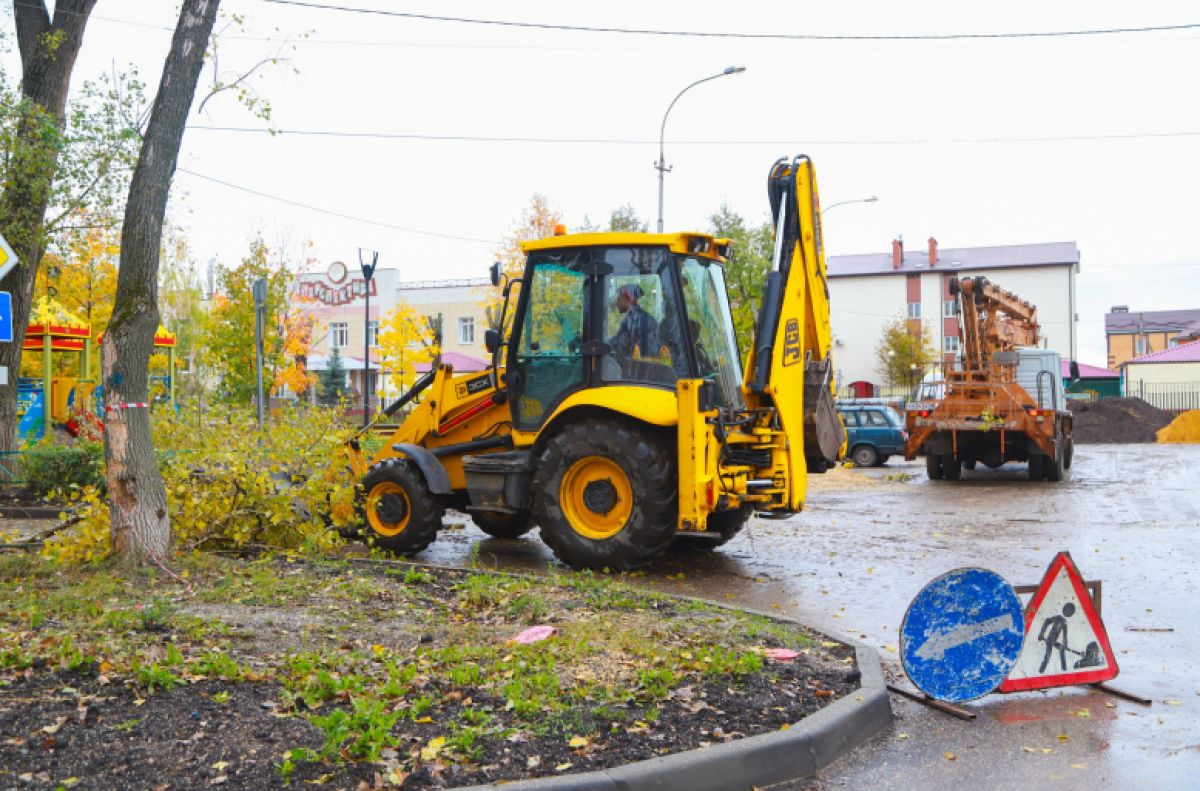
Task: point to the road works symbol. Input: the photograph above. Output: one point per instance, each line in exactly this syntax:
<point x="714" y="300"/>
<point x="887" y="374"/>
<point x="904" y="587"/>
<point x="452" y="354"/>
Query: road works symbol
<point x="961" y="635"/>
<point x="1065" y="640"/>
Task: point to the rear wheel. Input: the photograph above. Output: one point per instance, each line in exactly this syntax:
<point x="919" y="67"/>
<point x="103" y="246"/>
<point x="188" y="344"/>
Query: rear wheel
<point x="951" y="467"/>
<point x="1037" y="468"/>
<point x="970" y="465"/>
<point x="865" y="456"/>
<point x="607" y="495"/>
<point x="500" y="525"/>
<point x="402" y="516"/>
<point x="1056" y="469"/>
<point x="933" y="466"/>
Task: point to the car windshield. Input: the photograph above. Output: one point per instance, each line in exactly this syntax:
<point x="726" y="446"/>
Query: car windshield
<point x="893" y="416"/>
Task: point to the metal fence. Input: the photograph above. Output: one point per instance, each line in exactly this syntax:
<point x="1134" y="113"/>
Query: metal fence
<point x="1168" y="396"/>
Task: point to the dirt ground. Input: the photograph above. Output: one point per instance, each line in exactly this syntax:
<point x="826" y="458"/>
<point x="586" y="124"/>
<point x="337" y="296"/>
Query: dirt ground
<point x="375" y="674"/>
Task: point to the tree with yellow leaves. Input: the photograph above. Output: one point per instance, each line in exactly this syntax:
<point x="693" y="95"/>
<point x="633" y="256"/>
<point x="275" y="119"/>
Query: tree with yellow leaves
<point x="404" y="340"/>
<point x="537" y="222"/>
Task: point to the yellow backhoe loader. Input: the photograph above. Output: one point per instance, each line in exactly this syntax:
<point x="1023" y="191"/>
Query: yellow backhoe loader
<point x="617" y="415"/>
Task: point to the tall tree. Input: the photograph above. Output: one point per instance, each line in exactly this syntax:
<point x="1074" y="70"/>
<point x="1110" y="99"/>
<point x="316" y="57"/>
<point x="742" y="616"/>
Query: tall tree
<point x="405" y="339"/>
<point x="140" y="523"/>
<point x="48" y="49"/>
<point x="228" y="343"/>
<point x="537" y="222"/>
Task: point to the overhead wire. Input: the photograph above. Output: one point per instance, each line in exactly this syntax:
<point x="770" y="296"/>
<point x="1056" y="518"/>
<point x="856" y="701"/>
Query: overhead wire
<point x="646" y="141"/>
<point x="334" y="213"/>
<point x="734" y="34"/>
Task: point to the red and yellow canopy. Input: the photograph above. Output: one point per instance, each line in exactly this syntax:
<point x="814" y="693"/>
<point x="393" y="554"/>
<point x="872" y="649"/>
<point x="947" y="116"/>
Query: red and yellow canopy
<point x="50" y="319"/>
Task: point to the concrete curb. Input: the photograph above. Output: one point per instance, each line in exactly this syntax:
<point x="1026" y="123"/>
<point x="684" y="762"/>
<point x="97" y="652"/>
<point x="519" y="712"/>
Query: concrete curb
<point x="801" y="751"/>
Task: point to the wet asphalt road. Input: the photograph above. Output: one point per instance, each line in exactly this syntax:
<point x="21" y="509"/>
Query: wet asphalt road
<point x="870" y="540"/>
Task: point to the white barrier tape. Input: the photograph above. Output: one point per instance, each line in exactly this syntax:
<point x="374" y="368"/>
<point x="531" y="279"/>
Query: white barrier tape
<point x="119" y="407"/>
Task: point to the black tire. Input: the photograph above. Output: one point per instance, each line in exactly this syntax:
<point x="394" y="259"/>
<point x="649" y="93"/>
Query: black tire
<point x="1056" y="469"/>
<point x="865" y="456"/>
<point x="883" y="460"/>
<point x="933" y="466"/>
<point x="725" y="524"/>
<point x="598" y="463"/>
<point x="951" y="467"/>
<point x="1037" y="468"/>
<point x="400" y="515"/>
<point x="970" y="465"/>
<point x="498" y="525"/>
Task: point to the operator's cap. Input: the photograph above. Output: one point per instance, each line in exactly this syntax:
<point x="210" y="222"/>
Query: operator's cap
<point x="631" y="290"/>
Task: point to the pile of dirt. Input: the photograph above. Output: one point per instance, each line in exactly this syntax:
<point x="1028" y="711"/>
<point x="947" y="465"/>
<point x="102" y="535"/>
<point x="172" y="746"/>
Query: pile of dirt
<point x="1185" y="428"/>
<point x="1119" y="420"/>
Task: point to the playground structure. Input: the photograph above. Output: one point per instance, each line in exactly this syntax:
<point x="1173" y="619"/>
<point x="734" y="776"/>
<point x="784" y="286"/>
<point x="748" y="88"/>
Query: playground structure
<point x="70" y="403"/>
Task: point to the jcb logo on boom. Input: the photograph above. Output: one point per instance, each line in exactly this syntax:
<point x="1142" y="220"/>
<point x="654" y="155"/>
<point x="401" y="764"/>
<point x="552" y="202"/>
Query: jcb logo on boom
<point x="791" y="342"/>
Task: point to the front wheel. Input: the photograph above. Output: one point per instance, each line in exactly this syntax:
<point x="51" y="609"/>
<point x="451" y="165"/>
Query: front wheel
<point x="1037" y="468"/>
<point x="606" y="495"/>
<point x="498" y="525"/>
<point x="402" y="516"/>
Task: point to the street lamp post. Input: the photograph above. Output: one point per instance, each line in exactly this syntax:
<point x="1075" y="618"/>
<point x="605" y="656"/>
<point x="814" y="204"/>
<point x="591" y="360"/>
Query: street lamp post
<point x="368" y="270"/>
<point x="661" y="165"/>
<point x="871" y="199"/>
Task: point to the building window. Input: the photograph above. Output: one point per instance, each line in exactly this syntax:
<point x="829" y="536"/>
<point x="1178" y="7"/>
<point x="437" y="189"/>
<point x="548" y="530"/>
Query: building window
<point x="466" y="330"/>
<point x="339" y="334"/>
<point x="949" y="308"/>
<point x="372" y="333"/>
<point x="914" y="310"/>
<point x="950" y="343"/>
<point x="1140" y="344"/>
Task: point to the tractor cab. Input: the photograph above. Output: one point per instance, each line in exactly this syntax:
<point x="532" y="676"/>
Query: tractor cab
<point x="619" y="309"/>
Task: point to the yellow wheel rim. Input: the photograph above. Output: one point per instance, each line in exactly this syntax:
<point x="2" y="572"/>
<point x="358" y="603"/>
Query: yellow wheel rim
<point x="388" y="509"/>
<point x="596" y="497"/>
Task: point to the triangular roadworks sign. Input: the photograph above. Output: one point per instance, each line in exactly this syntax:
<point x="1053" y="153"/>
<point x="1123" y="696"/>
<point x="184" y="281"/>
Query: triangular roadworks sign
<point x="1065" y="640"/>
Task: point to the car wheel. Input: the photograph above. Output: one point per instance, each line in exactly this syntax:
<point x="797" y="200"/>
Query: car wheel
<point x="865" y="456"/>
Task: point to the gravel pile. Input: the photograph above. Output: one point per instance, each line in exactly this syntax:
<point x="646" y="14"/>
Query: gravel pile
<point x="1117" y="420"/>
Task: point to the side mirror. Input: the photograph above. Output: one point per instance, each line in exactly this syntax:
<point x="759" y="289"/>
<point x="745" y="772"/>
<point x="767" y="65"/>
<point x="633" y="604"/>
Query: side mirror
<point x="1074" y="371"/>
<point x="495" y="274"/>
<point x="491" y="340"/>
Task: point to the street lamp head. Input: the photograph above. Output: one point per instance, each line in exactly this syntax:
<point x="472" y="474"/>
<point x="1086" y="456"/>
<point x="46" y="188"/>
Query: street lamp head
<point x="735" y="69"/>
<point x="871" y="199"/>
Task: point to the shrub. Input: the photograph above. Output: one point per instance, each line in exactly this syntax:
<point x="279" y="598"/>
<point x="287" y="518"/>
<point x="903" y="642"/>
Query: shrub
<point x="48" y="466"/>
<point x="230" y="484"/>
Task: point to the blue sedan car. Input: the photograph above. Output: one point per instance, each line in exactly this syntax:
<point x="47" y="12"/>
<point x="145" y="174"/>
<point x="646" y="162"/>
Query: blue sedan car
<point x="874" y="432"/>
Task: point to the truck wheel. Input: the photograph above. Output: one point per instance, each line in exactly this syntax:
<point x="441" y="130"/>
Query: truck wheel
<point x="725" y="524"/>
<point x="402" y="516"/>
<point x="498" y="525"/>
<point x="970" y="465"/>
<point x="865" y="456"/>
<point x="1037" y="468"/>
<point x="606" y="495"/>
<point x="1056" y="469"/>
<point x="951" y="467"/>
<point x="933" y="466"/>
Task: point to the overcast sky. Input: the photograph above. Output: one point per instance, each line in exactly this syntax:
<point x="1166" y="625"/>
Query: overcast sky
<point x="1093" y="139"/>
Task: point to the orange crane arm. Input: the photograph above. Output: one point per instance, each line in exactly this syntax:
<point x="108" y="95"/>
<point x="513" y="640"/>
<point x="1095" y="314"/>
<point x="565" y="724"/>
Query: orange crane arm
<point x="993" y="320"/>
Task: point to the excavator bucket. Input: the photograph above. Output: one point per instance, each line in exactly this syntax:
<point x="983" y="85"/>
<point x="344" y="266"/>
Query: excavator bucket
<point x="824" y="433"/>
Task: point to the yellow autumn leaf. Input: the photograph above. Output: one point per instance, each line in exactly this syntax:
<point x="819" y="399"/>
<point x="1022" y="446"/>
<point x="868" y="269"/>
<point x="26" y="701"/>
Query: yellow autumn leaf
<point x="951" y="757"/>
<point x="433" y="748"/>
<point x="578" y="741"/>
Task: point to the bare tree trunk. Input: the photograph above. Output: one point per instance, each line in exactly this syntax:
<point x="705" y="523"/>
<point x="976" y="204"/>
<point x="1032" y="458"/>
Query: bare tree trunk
<point x="48" y="52"/>
<point x="141" y="527"/>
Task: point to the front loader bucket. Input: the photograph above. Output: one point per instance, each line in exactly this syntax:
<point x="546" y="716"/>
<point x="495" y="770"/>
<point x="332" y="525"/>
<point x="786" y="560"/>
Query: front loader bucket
<point x="824" y="434"/>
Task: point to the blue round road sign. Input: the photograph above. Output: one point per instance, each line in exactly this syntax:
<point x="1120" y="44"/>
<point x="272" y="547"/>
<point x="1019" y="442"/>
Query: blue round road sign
<point x="962" y="635"/>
